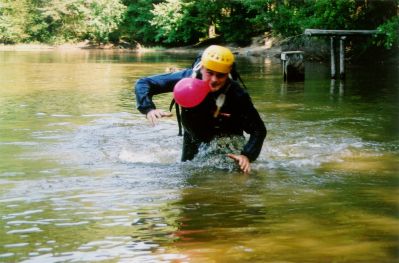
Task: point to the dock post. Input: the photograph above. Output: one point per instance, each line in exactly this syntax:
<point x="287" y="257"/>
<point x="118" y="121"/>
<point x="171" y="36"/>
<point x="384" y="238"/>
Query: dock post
<point x="333" y="72"/>
<point x="293" y="66"/>
<point x="342" y="57"/>
<point x="284" y="59"/>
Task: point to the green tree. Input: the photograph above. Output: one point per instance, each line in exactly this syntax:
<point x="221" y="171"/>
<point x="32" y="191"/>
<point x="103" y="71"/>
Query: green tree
<point x="388" y="36"/>
<point x="66" y="19"/>
<point x="58" y="20"/>
<point x="176" y="22"/>
<point x="103" y="19"/>
<point x="37" y="27"/>
<point x="82" y="19"/>
<point x="13" y="22"/>
<point x="136" y="26"/>
<point x="167" y="18"/>
<point x="261" y="13"/>
<point x="235" y="22"/>
<point x="208" y="15"/>
<point x="184" y="22"/>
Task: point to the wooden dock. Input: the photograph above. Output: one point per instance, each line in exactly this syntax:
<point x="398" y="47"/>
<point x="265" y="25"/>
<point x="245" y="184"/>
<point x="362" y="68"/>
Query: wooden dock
<point x="324" y="32"/>
<point x="342" y="35"/>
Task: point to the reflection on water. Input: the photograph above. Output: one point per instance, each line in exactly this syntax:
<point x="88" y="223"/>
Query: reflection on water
<point x="84" y="178"/>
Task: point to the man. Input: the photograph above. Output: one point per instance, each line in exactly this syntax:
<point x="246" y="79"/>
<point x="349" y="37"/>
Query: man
<point x="226" y="110"/>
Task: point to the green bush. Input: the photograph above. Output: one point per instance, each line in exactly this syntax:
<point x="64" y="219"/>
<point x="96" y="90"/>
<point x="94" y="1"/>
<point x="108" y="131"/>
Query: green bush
<point x="183" y="22"/>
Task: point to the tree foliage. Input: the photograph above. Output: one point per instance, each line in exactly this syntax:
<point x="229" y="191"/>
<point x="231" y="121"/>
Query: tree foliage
<point x="105" y="17"/>
<point x="182" y="22"/>
<point x="388" y="36"/>
<point x="13" y="22"/>
<point x="171" y="20"/>
<point x="136" y="26"/>
<point x="58" y="20"/>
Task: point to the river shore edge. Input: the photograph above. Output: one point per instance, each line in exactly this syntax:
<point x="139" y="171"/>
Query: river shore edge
<point x="259" y="47"/>
<point x="266" y="49"/>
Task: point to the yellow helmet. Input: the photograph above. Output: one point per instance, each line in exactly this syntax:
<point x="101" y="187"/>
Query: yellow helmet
<point x="217" y="58"/>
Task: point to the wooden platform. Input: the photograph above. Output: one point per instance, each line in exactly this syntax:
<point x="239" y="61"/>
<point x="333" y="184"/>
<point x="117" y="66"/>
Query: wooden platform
<point x="342" y="35"/>
<point x="325" y="32"/>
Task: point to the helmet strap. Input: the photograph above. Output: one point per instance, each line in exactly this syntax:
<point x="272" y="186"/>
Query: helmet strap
<point x="196" y="69"/>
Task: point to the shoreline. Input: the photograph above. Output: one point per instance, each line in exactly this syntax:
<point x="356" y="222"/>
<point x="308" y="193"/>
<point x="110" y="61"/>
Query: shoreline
<point x="252" y="50"/>
<point x="66" y="47"/>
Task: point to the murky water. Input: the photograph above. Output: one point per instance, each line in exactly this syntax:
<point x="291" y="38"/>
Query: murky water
<point x="84" y="178"/>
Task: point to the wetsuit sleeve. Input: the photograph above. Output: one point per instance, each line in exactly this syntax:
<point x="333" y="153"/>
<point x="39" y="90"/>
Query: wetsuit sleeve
<point x="254" y="126"/>
<point x="145" y="88"/>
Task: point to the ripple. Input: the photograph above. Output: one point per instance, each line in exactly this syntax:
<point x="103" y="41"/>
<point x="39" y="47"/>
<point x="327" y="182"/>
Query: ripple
<point x="20" y="143"/>
<point x="72" y="224"/>
<point x="28" y="212"/>
<point x="25" y="231"/>
<point x="24" y="222"/>
<point x="6" y="255"/>
<point x="44" y="249"/>
<point x="12" y="174"/>
<point x="61" y="115"/>
<point x="106" y="250"/>
<point x="16" y="245"/>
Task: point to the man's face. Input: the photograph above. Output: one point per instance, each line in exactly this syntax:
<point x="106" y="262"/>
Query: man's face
<point x="216" y="80"/>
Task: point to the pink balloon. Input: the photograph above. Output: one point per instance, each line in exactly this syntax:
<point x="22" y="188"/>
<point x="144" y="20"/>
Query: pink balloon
<point x="189" y="92"/>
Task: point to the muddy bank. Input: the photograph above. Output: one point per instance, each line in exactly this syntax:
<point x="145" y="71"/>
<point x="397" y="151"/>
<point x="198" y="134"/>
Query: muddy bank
<point x="315" y="49"/>
<point x="258" y="47"/>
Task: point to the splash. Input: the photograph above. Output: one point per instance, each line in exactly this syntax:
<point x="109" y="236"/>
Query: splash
<point x="213" y="154"/>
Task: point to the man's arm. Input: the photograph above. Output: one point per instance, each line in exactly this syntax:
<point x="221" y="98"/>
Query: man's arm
<point x="255" y="127"/>
<point x="147" y="87"/>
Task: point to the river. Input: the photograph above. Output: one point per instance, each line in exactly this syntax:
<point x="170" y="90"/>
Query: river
<point x="84" y="177"/>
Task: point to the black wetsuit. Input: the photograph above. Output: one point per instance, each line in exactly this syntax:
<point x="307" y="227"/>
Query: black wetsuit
<point x="236" y="116"/>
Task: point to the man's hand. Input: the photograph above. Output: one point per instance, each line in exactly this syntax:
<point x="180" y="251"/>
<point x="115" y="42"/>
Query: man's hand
<point x="154" y="115"/>
<point x="242" y="161"/>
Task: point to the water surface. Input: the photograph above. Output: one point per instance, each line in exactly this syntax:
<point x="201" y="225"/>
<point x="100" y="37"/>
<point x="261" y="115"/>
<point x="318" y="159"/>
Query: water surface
<point x="84" y="178"/>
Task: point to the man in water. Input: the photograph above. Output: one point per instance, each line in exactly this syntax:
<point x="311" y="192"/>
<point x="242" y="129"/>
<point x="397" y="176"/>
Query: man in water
<point x="227" y="109"/>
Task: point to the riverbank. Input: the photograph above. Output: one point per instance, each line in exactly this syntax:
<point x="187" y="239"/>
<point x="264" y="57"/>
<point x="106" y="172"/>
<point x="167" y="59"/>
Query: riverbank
<point x="39" y="47"/>
<point x="259" y="47"/>
<point x="66" y="47"/>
